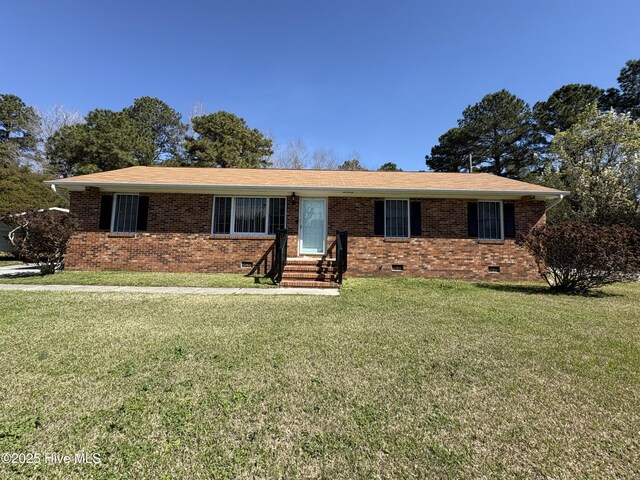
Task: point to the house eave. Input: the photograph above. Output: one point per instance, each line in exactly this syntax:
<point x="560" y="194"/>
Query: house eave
<point x="306" y="190"/>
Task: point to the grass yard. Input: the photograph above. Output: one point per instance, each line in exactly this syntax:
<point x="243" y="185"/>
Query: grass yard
<point x="144" y="279"/>
<point x="393" y="379"/>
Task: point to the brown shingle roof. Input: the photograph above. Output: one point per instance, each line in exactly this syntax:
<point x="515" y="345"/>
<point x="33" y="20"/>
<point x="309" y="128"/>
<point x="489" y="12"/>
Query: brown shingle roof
<point x="307" y="179"/>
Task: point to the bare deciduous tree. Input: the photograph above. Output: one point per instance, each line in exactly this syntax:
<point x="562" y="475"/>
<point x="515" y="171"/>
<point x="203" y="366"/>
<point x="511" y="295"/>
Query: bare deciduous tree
<point x="268" y="133"/>
<point x="294" y="156"/>
<point x="51" y="121"/>
<point x="198" y="109"/>
<point x="57" y="117"/>
<point x="323" y="159"/>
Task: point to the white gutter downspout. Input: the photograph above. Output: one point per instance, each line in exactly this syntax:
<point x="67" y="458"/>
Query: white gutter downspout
<point x="554" y="203"/>
<point x="59" y="193"/>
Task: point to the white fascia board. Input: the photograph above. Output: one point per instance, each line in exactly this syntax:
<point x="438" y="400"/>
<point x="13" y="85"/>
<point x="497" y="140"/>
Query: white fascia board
<point x="285" y="190"/>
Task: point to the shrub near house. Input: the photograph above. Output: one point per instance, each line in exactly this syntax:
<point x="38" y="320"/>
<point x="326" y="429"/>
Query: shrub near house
<point x="41" y="236"/>
<point x="576" y="256"/>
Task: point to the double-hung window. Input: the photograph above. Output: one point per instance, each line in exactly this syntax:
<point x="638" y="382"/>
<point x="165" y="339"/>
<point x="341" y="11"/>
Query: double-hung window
<point x="248" y="215"/>
<point x="396" y="218"/>
<point x="490" y="221"/>
<point x="124" y="218"/>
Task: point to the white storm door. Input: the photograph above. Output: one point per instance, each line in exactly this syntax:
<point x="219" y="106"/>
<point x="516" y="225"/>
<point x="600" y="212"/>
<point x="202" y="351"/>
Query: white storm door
<point x="313" y="225"/>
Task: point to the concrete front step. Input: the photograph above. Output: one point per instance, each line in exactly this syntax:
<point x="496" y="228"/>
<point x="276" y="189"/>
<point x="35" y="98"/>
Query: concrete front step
<point x="308" y="284"/>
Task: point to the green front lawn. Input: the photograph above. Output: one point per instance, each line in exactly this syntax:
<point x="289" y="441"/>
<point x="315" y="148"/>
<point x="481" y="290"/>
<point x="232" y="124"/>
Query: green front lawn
<point x="144" y="279"/>
<point x="392" y="379"/>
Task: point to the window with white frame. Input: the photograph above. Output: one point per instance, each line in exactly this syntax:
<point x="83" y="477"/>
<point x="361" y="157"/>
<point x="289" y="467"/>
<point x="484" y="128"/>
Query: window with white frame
<point x="490" y="221"/>
<point x="248" y="215"/>
<point x="396" y="218"/>
<point x="125" y="213"/>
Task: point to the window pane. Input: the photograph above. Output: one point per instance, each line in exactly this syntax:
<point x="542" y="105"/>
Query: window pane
<point x="489" y="221"/>
<point x="250" y="215"/>
<point x="222" y="215"/>
<point x="277" y="214"/>
<point x="485" y="222"/>
<point x="126" y="214"/>
<point x="483" y="217"/>
<point x="396" y="218"/>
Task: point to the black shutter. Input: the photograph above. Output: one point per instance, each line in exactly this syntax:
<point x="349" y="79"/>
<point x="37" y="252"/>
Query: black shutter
<point x="415" y="228"/>
<point x="378" y="221"/>
<point x="509" y="210"/>
<point x="143" y="213"/>
<point x="472" y="219"/>
<point x="106" y="204"/>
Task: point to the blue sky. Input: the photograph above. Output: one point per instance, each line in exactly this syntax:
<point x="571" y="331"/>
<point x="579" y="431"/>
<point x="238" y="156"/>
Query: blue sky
<point x="384" y="79"/>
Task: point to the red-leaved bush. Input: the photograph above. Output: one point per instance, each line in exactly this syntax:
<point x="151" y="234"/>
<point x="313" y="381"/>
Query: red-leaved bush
<point x="41" y="236"/>
<point x="576" y="256"/>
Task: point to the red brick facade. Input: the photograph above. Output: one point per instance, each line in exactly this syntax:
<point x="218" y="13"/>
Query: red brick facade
<point x="178" y="239"/>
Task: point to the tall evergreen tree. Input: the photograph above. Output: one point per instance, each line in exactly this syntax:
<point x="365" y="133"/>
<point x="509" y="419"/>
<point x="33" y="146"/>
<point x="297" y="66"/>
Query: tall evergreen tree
<point x="145" y="133"/>
<point x="389" y="167"/>
<point x="224" y="140"/>
<point x="564" y="106"/>
<point x="21" y="188"/>
<point x="352" y="164"/>
<point x="19" y="131"/>
<point x="629" y="83"/>
<point x="106" y="141"/>
<point x="162" y="123"/>
<point x="499" y="132"/>
<point x="625" y="98"/>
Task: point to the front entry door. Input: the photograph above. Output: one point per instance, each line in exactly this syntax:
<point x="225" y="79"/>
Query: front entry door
<point x="313" y="226"/>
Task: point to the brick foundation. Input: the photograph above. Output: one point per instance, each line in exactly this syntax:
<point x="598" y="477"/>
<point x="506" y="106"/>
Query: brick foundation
<point x="178" y="240"/>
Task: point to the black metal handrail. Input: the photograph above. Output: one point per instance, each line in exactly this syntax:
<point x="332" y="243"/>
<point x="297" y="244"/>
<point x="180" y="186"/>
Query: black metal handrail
<point x="263" y="266"/>
<point x="342" y="253"/>
<point x="280" y="254"/>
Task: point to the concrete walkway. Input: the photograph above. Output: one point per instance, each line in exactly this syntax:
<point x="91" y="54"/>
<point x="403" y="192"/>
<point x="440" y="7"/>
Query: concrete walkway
<point x="20" y="270"/>
<point x="169" y="290"/>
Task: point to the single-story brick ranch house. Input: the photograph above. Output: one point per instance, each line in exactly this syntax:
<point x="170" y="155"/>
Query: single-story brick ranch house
<point x="445" y="225"/>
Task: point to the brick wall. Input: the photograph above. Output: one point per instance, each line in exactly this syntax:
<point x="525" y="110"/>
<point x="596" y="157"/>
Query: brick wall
<point x="178" y="239"/>
<point x="442" y="251"/>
